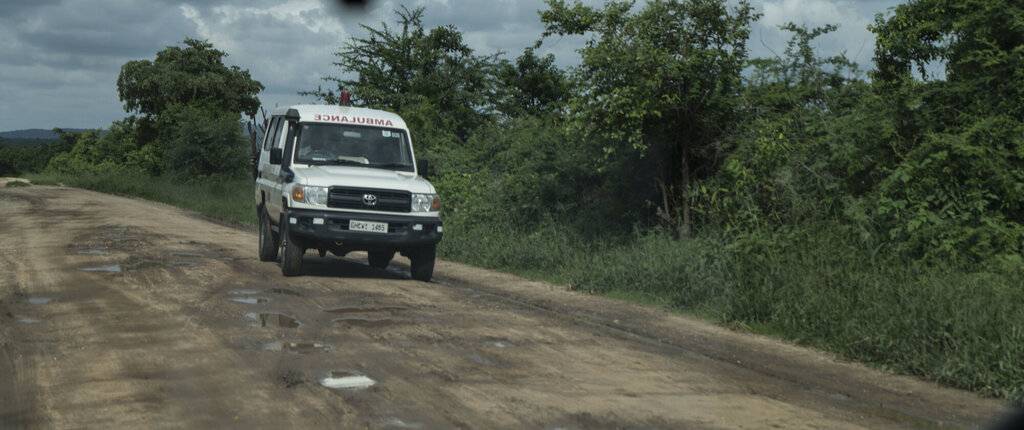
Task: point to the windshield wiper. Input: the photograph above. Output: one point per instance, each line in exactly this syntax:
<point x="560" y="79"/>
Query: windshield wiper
<point x="339" y="162"/>
<point x="391" y="165"/>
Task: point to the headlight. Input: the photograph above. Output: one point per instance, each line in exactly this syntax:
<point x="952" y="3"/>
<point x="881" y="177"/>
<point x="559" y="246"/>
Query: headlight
<point x="426" y="203"/>
<point x="311" y="195"/>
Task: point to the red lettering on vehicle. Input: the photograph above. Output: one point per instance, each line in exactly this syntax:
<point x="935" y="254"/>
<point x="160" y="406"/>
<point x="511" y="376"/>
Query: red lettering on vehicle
<point x="356" y="120"/>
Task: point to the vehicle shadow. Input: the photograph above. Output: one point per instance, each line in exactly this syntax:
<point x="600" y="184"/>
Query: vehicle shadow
<point x="335" y="267"/>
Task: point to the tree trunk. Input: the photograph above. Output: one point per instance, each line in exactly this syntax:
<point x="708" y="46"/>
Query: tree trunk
<point x="685" y="229"/>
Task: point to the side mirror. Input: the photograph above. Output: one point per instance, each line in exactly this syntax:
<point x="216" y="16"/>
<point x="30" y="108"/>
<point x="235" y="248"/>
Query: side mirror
<point x="423" y="168"/>
<point x="276" y="154"/>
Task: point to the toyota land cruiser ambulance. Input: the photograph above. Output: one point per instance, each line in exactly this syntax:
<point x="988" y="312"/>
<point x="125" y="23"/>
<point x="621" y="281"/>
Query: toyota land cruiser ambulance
<point x="340" y="179"/>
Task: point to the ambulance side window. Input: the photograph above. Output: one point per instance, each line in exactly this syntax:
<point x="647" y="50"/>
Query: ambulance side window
<point x="273" y="134"/>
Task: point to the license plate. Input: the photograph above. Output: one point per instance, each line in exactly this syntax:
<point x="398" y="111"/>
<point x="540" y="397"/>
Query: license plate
<point x="370" y="226"/>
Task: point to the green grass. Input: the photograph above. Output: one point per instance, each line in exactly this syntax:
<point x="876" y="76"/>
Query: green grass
<point x="955" y="324"/>
<point x="14" y="184"/>
<point x="224" y="198"/>
<point x="958" y="325"/>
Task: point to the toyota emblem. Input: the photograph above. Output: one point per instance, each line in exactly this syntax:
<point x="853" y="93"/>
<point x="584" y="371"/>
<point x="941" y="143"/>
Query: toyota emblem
<point x="369" y="200"/>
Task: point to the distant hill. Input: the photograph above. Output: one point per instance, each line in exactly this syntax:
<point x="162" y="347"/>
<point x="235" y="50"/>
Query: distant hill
<point x="32" y="137"/>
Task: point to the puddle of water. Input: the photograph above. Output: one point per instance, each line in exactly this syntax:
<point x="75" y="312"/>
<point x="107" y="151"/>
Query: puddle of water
<point x="273" y="320"/>
<point x="347" y="381"/>
<point x="114" y="268"/>
<point x="149" y="264"/>
<point x="249" y="300"/>
<point x="502" y="345"/>
<point x="186" y="254"/>
<point x="39" y="300"/>
<point x="285" y="291"/>
<point x="362" y="322"/>
<point x="371" y="308"/>
<point x="92" y="252"/>
<point x="243" y="292"/>
<point x="301" y="347"/>
<point x="25" y="320"/>
<point x="479" y="359"/>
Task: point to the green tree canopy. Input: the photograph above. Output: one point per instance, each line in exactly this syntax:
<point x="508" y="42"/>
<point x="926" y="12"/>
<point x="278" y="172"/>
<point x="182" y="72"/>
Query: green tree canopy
<point x="195" y="73"/>
<point x="416" y="71"/>
<point x="534" y="85"/>
<point x="663" y="78"/>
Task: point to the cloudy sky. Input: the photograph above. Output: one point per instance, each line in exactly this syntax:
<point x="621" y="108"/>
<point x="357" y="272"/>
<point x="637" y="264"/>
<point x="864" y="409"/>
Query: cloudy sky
<point x="59" y="59"/>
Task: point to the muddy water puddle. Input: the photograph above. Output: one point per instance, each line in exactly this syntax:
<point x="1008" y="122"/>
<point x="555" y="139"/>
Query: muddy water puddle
<point x="299" y="347"/>
<point x="39" y="300"/>
<point x="285" y="292"/>
<point x="92" y="252"/>
<point x="341" y="380"/>
<point x="112" y="268"/>
<point x="27" y="320"/>
<point x="139" y="265"/>
<point x="359" y="321"/>
<point x="249" y="300"/>
<point x="273" y="320"/>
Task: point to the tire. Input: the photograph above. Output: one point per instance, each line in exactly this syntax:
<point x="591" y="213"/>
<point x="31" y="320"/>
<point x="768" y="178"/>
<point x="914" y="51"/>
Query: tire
<point x="291" y="251"/>
<point x="380" y="259"/>
<point x="422" y="267"/>
<point x="269" y="242"/>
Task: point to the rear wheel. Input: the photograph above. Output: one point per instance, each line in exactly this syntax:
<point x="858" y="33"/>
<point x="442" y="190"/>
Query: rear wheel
<point x="422" y="267"/>
<point x="269" y="242"/>
<point x="291" y="251"/>
<point x="380" y="259"/>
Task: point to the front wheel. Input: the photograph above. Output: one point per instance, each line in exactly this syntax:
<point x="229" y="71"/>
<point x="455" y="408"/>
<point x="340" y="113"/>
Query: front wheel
<point x="291" y="251"/>
<point x="269" y="242"/>
<point x="422" y="267"/>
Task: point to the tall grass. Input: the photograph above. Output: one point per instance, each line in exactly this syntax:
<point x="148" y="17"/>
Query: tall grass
<point x="958" y="325"/>
<point x="224" y="198"/>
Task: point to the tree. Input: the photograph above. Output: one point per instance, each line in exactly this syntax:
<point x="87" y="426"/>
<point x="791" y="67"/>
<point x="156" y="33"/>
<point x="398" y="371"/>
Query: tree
<point x="534" y="85"/>
<point x="432" y="74"/>
<point x="786" y="161"/>
<point x="951" y="74"/>
<point x="661" y="80"/>
<point x="195" y="73"/>
<point x="201" y="140"/>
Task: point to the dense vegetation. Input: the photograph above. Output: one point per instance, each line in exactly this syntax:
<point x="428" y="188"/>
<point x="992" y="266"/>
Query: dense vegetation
<point x="879" y="217"/>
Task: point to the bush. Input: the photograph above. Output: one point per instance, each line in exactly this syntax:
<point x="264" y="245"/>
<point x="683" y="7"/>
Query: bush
<point x="198" y="140"/>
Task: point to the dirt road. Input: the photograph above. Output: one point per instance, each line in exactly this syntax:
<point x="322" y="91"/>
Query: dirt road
<point x="121" y="313"/>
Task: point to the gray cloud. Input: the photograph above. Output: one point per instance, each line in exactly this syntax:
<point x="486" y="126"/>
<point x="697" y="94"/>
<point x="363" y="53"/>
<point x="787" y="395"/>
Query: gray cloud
<point x="59" y="59"/>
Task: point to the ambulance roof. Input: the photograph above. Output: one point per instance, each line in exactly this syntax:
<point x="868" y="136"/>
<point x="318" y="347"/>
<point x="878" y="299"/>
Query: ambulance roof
<point x="343" y="115"/>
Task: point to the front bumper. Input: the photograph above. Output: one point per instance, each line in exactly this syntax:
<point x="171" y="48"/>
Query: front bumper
<point x="312" y="226"/>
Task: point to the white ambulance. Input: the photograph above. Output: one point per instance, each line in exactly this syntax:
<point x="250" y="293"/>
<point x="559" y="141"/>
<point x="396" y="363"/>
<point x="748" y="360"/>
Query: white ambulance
<point x="340" y="179"/>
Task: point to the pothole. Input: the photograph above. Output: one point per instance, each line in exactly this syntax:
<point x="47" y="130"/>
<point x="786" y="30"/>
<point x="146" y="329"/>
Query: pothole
<point x="347" y="381"/>
<point x="273" y="320"/>
<point x="114" y="268"/>
<point x="249" y="300"/>
<point x="300" y="347"/>
<point x="185" y="254"/>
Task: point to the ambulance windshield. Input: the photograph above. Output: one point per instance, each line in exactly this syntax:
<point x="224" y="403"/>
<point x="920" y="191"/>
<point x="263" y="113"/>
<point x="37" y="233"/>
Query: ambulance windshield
<point x="342" y="144"/>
